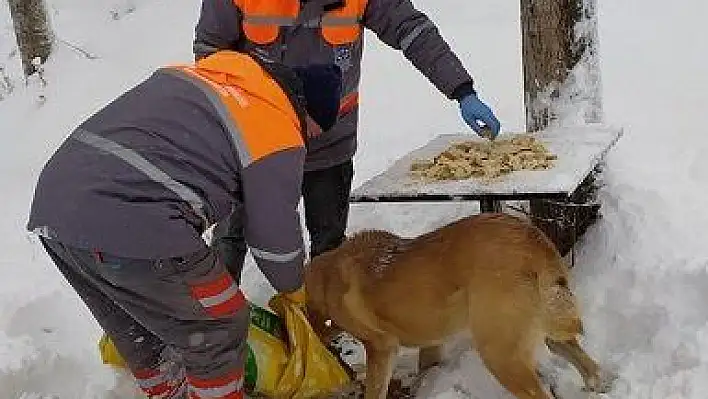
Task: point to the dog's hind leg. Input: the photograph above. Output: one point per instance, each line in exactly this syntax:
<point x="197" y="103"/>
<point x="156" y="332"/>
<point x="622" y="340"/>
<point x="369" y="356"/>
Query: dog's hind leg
<point x="514" y="369"/>
<point x="593" y="376"/>
<point x="506" y="337"/>
<point x="380" y="360"/>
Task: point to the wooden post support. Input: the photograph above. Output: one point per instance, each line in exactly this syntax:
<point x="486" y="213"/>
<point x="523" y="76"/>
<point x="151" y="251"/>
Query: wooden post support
<point x="559" y="49"/>
<point x="490" y="205"/>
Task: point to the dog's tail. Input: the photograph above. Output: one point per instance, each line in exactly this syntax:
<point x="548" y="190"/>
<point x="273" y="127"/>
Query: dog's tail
<point x="561" y="314"/>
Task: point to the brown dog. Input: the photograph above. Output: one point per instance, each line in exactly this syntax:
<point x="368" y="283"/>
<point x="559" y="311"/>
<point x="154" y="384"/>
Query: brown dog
<point x="494" y="274"/>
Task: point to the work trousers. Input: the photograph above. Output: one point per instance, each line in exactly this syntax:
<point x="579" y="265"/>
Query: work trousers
<point x="180" y="324"/>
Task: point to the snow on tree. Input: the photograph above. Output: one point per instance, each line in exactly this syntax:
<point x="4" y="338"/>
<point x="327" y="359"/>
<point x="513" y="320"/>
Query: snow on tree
<point x="562" y="85"/>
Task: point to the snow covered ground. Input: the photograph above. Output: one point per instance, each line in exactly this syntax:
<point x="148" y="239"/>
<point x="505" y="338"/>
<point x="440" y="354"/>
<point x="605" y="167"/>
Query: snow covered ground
<point x="641" y="272"/>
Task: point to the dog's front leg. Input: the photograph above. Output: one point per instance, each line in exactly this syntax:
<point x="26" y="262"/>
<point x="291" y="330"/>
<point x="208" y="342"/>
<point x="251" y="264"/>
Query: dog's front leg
<point x="380" y="360"/>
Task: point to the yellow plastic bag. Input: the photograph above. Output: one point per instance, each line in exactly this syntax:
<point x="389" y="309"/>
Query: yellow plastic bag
<point x="311" y="369"/>
<point x="285" y="357"/>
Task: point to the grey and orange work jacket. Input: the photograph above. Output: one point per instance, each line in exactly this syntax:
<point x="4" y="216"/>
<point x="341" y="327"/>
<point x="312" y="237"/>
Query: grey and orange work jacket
<point x="302" y="32"/>
<point x="146" y="175"/>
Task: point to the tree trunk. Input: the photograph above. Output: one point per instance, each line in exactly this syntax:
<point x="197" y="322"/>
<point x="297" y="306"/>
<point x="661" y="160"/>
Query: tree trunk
<point x="559" y="48"/>
<point x="33" y="32"/>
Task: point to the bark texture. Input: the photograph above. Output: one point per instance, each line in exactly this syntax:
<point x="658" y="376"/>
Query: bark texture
<point x="33" y="32"/>
<point x="559" y="48"/>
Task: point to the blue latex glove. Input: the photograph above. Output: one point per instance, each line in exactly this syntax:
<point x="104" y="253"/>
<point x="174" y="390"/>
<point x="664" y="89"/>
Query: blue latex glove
<point x="475" y="111"/>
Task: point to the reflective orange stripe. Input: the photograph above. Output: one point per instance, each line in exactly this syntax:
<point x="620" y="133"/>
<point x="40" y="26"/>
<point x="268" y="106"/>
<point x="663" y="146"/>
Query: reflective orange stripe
<point x="158" y="383"/>
<point x="263" y="121"/>
<point x="157" y="390"/>
<point x="262" y="20"/>
<point x="235" y="395"/>
<point x="348" y="103"/>
<point x="272" y="132"/>
<point x="220" y="297"/>
<point x="229" y="386"/>
<point x="342" y="26"/>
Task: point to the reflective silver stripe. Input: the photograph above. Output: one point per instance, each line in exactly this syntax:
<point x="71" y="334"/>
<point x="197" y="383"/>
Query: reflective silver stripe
<point x="236" y="137"/>
<point x="329" y="20"/>
<point x="152" y="382"/>
<point x="138" y="162"/>
<point x="410" y="38"/>
<point x="218" y="392"/>
<point x="268" y="20"/>
<point x="220" y="298"/>
<point x="312" y="23"/>
<point x="273" y="257"/>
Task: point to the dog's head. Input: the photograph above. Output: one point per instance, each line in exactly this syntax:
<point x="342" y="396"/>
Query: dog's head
<point x="318" y="276"/>
<point x="321" y="278"/>
<point x="336" y="275"/>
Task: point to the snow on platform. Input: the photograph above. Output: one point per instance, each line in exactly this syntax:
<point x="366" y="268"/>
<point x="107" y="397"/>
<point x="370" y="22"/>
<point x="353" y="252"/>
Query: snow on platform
<point x="579" y="150"/>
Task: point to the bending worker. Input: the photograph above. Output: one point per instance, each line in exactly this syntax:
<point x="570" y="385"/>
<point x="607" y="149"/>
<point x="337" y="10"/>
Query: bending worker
<point x="122" y="205"/>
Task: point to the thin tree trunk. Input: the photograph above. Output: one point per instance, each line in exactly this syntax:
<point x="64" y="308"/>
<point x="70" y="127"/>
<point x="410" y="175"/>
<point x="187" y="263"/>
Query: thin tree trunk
<point x="560" y="36"/>
<point x="33" y="32"/>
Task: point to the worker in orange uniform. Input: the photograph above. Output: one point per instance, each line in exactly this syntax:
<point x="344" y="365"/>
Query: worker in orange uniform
<point x="122" y="205"/>
<point x="304" y="32"/>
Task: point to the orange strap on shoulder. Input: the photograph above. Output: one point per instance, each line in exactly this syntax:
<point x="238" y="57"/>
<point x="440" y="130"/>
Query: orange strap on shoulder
<point x="262" y="20"/>
<point x="244" y="116"/>
<point x="343" y="25"/>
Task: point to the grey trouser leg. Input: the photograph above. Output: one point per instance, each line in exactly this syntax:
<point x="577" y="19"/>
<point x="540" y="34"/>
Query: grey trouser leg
<point x="192" y="305"/>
